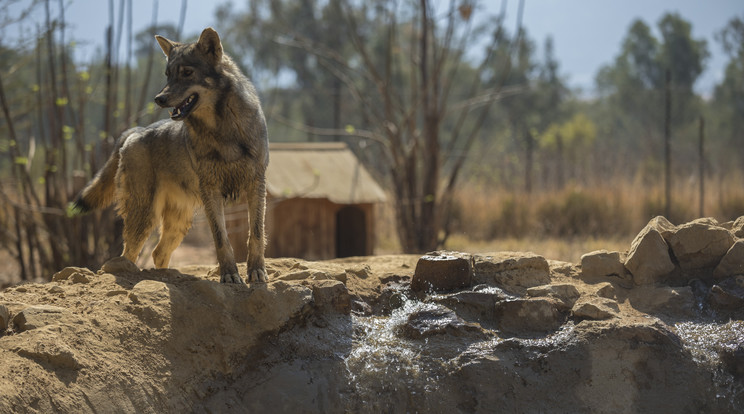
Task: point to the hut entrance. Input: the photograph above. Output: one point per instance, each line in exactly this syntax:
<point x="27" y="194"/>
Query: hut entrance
<point x="351" y="232"/>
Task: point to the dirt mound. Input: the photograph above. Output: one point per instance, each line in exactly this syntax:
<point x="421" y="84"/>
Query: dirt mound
<point x="515" y="332"/>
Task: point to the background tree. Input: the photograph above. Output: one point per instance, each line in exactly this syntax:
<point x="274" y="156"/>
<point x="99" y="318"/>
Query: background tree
<point x="728" y="96"/>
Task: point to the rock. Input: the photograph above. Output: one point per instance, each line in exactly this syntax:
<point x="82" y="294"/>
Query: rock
<point x="700" y="244"/>
<point x="511" y="270"/>
<point x="442" y="271"/>
<point x="37" y="316"/>
<point x="437" y="320"/>
<point x="361" y="272"/>
<point x="331" y="296"/>
<point x="601" y="263"/>
<point x="474" y="306"/>
<point x="529" y="316"/>
<point x="728" y="294"/>
<point x="302" y="275"/>
<point x="595" y="308"/>
<point x="68" y="272"/>
<point x="648" y="259"/>
<point x="48" y="348"/>
<point x="564" y="292"/>
<point x="732" y="262"/>
<point x="79" y="278"/>
<point x="605" y="290"/>
<point x="56" y="289"/>
<point x="737" y="227"/>
<point x="665" y="300"/>
<point x="4" y="318"/>
<point x="119" y="265"/>
<point x="732" y="359"/>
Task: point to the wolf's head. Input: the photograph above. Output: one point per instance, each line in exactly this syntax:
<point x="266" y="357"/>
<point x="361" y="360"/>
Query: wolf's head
<point x="192" y="71"/>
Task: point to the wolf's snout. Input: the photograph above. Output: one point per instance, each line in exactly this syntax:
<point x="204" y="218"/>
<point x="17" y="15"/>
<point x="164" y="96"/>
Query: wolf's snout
<point x="161" y="100"/>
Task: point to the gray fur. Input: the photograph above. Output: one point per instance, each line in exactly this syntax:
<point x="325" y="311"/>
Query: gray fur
<point x="215" y="149"/>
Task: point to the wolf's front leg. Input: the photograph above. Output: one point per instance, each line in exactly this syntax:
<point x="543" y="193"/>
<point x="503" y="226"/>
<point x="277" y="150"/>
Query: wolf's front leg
<point x="257" y="238"/>
<point x="214" y="210"/>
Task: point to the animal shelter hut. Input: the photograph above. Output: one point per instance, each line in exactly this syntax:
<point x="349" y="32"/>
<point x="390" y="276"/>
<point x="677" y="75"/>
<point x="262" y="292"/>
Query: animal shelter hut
<point x="320" y="204"/>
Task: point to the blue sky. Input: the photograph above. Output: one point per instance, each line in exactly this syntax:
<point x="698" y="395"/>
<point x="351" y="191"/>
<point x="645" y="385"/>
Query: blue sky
<point x="587" y="33"/>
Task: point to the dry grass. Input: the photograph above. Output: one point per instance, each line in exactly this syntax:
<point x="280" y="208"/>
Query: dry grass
<point x="567" y="250"/>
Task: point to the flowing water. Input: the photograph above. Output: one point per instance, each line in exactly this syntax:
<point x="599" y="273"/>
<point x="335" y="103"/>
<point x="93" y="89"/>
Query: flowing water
<point x="390" y="371"/>
<point x="707" y="341"/>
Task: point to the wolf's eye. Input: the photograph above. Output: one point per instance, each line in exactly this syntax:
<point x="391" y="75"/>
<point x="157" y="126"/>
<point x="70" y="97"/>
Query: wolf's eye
<point x="186" y="72"/>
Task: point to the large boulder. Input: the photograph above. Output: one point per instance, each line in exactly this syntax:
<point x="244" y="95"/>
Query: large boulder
<point x="732" y="262"/>
<point x="700" y="244"/>
<point x="648" y="259"/>
<point x="511" y="270"/>
<point x="602" y="265"/>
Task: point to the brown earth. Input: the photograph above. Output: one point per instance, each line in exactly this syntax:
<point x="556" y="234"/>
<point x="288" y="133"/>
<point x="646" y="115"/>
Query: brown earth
<point x="523" y="334"/>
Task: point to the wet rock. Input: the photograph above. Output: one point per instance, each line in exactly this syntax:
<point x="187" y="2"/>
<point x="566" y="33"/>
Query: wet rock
<point x="77" y="273"/>
<point x="732" y="360"/>
<point x="474" y="306"/>
<point x="700" y="244"/>
<point x="529" y="316"/>
<point x="648" y="259"/>
<point x="331" y="296"/>
<point x="38" y="316"/>
<point x="511" y="270"/>
<point x="119" y="265"/>
<point x="595" y="308"/>
<point x="4" y="318"/>
<point x="564" y="292"/>
<point x="728" y="294"/>
<point x="665" y="300"/>
<point x="601" y="263"/>
<point x="442" y="271"/>
<point x="360" y="307"/>
<point x="437" y="320"/>
<point x="732" y="262"/>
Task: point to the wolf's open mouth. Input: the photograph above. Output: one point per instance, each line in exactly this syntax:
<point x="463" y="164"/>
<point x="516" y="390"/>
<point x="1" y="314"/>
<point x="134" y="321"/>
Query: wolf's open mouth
<point x="182" y="110"/>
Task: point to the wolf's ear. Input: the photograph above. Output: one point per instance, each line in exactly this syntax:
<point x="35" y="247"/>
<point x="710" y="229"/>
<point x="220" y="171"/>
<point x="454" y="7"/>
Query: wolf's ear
<point x="165" y="44"/>
<point x="209" y="44"/>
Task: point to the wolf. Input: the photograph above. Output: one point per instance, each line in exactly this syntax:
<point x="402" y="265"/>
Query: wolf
<point x="214" y="147"/>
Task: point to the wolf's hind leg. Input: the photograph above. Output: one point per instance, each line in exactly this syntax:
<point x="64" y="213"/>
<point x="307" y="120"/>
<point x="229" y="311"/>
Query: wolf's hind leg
<point x="176" y="222"/>
<point x="138" y="223"/>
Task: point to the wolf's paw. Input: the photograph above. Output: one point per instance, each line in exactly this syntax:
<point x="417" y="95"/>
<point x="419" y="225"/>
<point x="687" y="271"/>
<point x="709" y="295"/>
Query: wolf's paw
<point x="257" y="275"/>
<point x="231" y="278"/>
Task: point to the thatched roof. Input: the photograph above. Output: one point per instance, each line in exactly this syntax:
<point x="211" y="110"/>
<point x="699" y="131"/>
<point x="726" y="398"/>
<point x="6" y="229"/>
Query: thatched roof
<point x="320" y="170"/>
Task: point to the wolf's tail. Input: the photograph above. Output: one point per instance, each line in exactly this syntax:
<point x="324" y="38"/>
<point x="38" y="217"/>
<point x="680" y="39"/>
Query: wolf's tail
<point x="99" y="192"/>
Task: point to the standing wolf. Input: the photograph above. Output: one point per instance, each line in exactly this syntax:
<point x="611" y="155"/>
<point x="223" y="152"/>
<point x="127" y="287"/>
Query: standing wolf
<point x="215" y="146"/>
